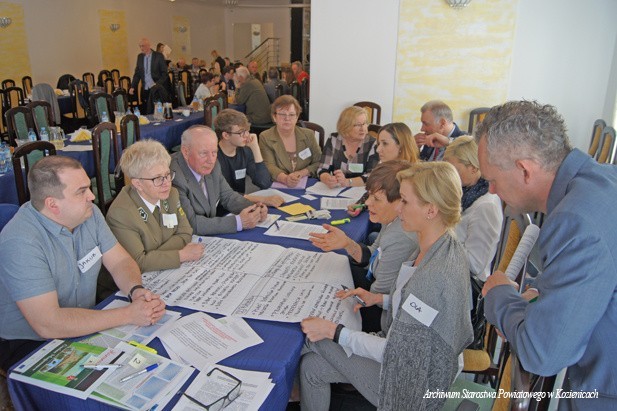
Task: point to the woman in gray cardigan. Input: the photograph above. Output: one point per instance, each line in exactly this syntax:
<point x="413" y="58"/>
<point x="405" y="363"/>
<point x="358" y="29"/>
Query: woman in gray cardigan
<point x="428" y="323"/>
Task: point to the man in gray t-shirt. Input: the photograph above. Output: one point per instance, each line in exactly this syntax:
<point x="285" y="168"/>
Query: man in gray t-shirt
<point x="51" y="254"/>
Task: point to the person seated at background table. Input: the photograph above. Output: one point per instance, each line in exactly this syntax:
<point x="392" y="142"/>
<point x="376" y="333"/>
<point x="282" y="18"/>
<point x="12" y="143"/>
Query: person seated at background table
<point x="438" y="130"/>
<point x="239" y="156"/>
<point x="375" y="266"/>
<point x="51" y="253"/>
<point x="203" y="91"/>
<point x="273" y="82"/>
<point x="290" y="152"/>
<point x="146" y="216"/>
<point x="348" y="158"/>
<point x="253" y="69"/>
<point x="228" y="78"/>
<point x="298" y="71"/>
<point x="251" y="93"/>
<point x="414" y="353"/>
<point x="394" y="142"/>
<point x="202" y="187"/>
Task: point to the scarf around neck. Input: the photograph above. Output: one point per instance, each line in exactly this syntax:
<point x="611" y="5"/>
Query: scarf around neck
<point x="472" y="193"/>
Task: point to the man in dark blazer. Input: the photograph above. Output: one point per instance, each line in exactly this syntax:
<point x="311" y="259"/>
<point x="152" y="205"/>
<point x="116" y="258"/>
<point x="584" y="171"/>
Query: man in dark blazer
<point x="202" y="187"/>
<point x="150" y="69"/>
<point x="438" y="130"/>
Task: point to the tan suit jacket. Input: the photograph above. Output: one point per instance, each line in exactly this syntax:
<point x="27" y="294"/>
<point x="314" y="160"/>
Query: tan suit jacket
<point x="277" y="159"/>
<point x="147" y="240"/>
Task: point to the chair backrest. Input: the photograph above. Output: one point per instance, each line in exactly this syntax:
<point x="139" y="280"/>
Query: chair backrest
<point x="129" y="130"/>
<point x="211" y="110"/>
<point x="121" y="100"/>
<point x="606" y="149"/>
<point x="41" y="114"/>
<point x="181" y="93"/>
<point x="373" y="130"/>
<point x="108" y="85"/>
<point x="296" y="90"/>
<point x="115" y="76"/>
<point x="321" y="134"/>
<point x="105" y="152"/>
<point x="512" y="230"/>
<point x="26" y="82"/>
<point x="13" y="97"/>
<point x="8" y="83"/>
<point x="373" y="111"/>
<point x="45" y="92"/>
<point x="19" y="121"/>
<point x="88" y="78"/>
<point x="157" y="93"/>
<point x="596" y="136"/>
<point x="187" y="78"/>
<point x="7" y="211"/>
<point x="475" y="117"/>
<point x="100" y="102"/>
<point x="64" y="81"/>
<point x="31" y="152"/>
<point x="279" y="90"/>
<point x="221" y="97"/>
<point x="79" y="98"/>
<point x="125" y="83"/>
<point x="103" y="75"/>
<point x="2" y="124"/>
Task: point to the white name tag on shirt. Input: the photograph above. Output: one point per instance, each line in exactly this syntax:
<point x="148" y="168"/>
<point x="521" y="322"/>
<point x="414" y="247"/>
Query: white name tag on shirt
<point x="89" y="260"/>
<point x="304" y="154"/>
<point x="240" y="174"/>
<point x="419" y="310"/>
<point x="356" y="167"/>
<point x="170" y="220"/>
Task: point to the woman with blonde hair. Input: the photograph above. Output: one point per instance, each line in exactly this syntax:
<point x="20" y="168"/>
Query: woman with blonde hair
<point x="348" y="158"/>
<point x="428" y="323"/>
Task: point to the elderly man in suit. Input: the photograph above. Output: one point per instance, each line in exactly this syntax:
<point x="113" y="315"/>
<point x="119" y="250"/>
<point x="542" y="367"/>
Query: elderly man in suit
<point x="202" y="187"/>
<point x="151" y="69"/>
<point x="438" y="130"/>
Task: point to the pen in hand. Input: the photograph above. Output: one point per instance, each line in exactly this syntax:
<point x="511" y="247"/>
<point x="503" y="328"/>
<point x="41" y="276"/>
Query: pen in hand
<point x="358" y="299"/>
<point x="138" y="373"/>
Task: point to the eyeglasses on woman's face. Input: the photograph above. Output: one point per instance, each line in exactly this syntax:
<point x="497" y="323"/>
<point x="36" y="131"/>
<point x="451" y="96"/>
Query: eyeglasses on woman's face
<point x="160" y="180"/>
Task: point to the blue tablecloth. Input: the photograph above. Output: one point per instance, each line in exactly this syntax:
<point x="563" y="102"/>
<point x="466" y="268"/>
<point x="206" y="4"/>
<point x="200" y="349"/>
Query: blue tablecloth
<point x="8" y="190"/>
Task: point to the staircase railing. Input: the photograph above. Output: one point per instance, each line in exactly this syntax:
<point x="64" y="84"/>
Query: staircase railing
<point x="266" y="54"/>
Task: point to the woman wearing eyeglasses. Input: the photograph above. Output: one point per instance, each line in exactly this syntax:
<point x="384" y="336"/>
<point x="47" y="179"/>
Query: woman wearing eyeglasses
<point x="348" y="158"/>
<point x="146" y="216"/>
<point x="290" y="152"/>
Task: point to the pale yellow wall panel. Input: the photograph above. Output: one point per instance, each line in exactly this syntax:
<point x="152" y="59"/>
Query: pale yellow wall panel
<point x="181" y="41"/>
<point x="462" y="57"/>
<point x="14" y="45"/>
<point x="114" y="43"/>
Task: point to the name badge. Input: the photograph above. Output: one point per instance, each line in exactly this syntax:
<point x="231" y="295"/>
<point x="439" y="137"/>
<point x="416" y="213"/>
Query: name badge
<point x="240" y="174"/>
<point x="170" y="220"/>
<point x="304" y="154"/>
<point x="419" y="310"/>
<point x="356" y="167"/>
<point x="89" y="260"/>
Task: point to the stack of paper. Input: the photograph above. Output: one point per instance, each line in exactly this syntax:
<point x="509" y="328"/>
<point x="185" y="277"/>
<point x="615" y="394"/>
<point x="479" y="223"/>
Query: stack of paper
<point x="200" y="340"/>
<point x="321" y="189"/>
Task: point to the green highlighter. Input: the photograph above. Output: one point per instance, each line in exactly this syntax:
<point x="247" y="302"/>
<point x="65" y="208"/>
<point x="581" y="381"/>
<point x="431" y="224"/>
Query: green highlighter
<point x="340" y="222"/>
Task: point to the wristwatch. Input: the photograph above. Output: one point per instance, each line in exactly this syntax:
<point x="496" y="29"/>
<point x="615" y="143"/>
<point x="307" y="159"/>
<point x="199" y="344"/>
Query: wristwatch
<point x="337" y="333"/>
<point x="132" y="290"/>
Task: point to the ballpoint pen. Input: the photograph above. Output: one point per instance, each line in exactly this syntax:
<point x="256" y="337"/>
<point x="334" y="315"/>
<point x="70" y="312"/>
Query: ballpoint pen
<point x="358" y="299"/>
<point x="278" y="227"/>
<point x="138" y="373"/>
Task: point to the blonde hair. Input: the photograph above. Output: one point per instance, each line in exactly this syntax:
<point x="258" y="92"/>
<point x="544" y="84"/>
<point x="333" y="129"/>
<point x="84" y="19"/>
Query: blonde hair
<point x="401" y="134"/>
<point x="465" y="150"/>
<point x="141" y="156"/>
<point x="347" y="119"/>
<point x="437" y="183"/>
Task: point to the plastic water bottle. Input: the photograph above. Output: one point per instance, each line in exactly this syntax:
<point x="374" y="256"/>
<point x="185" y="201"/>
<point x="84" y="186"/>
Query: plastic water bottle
<point x="104" y="117"/>
<point x="128" y="111"/>
<point x="31" y="135"/>
<point x="159" y="111"/>
<point x="44" y="134"/>
<point x="136" y="111"/>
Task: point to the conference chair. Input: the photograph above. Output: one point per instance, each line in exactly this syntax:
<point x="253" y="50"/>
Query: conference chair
<point x="108" y="85"/>
<point x="64" y="81"/>
<point x="115" y="76"/>
<point x="476" y="116"/>
<point x="606" y="148"/>
<point x="19" y="121"/>
<point x="596" y="136"/>
<point x="26" y="82"/>
<point x="373" y="111"/>
<point x="129" y="130"/>
<point x="7" y="211"/>
<point x="221" y="97"/>
<point x="125" y="83"/>
<point x="103" y="75"/>
<point x="121" y="100"/>
<point x="373" y="130"/>
<point x="105" y="152"/>
<point x="79" y="103"/>
<point x="88" y="78"/>
<point x="181" y="93"/>
<point x="30" y="152"/>
<point x="211" y="109"/>
<point x="99" y="103"/>
<point x="8" y="83"/>
<point x="319" y="131"/>
<point x="42" y="115"/>
<point x="187" y="78"/>
<point x="13" y="97"/>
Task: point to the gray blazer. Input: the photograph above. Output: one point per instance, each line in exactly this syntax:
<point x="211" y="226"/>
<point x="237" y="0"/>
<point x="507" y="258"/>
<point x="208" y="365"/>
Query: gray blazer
<point x="201" y="212"/>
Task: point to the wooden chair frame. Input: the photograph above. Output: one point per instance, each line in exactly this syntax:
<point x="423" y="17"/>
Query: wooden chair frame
<point x="373" y="111"/>
<point x="24" y="150"/>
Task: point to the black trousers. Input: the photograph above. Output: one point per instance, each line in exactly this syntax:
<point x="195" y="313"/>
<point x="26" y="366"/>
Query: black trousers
<point x="13" y="351"/>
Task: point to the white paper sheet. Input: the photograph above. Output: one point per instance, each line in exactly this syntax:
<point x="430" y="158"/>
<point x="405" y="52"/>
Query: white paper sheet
<point x="77" y="147"/>
<point x="331" y="203"/>
<point x="290" y="229"/>
<point x="272" y="192"/>
<point x="354" y="192"/>
<point x="301" y="184"/>
<point x="321" y="189"/>
<point x="270" y="219"/>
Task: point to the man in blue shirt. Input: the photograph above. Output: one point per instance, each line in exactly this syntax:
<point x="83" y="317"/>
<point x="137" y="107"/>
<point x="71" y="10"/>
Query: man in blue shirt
<point x="527" y="159"/>
<point x="51" y="253"/>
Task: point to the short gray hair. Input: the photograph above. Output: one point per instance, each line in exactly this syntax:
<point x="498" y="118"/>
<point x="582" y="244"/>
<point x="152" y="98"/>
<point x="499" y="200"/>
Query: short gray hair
<point x="524" y="130"/>
<point x="242" y="72"/>
<point x="143" y="155"/>
<point x="439" y="109"/>
<point x="187" y="135"/>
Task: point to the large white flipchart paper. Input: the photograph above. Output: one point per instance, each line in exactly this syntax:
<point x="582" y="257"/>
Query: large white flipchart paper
<point x="261" y="281"/>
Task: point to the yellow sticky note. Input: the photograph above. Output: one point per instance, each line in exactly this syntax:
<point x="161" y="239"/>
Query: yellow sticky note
<point x="296" y="208"/>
